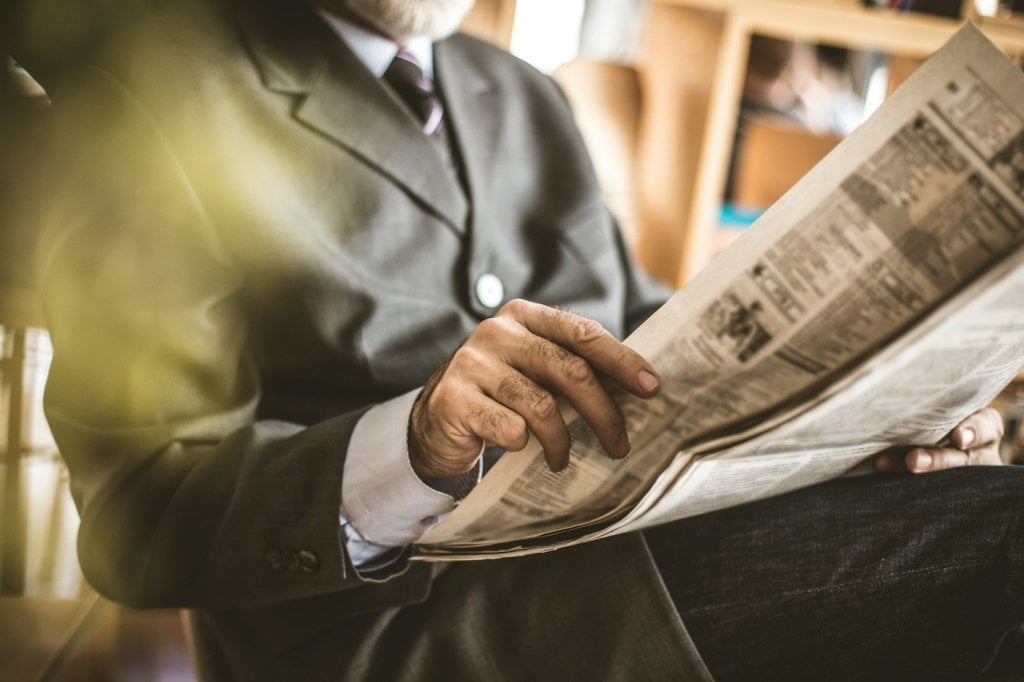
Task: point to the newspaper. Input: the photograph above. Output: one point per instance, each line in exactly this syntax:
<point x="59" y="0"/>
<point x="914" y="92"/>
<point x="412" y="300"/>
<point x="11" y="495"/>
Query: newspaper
<point x="876" y="305"/>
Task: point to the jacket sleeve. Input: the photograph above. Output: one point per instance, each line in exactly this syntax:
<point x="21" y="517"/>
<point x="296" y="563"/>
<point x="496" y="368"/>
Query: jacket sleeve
<point x="185" y="498"/>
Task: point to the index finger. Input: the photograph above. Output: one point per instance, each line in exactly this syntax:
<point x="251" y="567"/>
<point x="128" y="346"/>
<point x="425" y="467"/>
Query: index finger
<point x="589" y="340"/>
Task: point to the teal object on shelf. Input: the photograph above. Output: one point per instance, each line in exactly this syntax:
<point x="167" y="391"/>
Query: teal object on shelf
<point x="734" y="215"/>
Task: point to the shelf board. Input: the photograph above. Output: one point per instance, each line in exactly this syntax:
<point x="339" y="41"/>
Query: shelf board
<point x="851" y="25"/>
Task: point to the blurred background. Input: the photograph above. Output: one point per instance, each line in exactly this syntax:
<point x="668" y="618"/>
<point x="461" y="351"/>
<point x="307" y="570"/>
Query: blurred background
<point x="699" y="114"/>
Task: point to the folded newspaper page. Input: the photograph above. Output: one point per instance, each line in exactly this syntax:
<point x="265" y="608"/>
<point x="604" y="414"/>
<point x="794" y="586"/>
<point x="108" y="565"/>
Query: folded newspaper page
<point x="877" y="304"/>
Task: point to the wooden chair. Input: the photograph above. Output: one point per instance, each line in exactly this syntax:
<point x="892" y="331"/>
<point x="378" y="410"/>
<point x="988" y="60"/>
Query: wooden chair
<point x="606" y="100"/>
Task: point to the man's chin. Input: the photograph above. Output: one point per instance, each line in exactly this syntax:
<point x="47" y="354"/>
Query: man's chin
<point x="434" y="19"/>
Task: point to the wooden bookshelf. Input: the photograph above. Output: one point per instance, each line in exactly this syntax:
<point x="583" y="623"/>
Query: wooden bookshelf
<point x="693" y="69"/>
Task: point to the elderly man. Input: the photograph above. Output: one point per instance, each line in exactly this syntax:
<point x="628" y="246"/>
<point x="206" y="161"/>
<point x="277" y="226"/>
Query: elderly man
<point x="290" y="251"/>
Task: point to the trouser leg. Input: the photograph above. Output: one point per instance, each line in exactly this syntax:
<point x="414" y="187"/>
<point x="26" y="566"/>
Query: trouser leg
<point x="873" y="578"/>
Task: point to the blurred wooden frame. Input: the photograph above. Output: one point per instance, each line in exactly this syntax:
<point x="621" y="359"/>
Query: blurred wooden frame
<point x="491" y="20"/>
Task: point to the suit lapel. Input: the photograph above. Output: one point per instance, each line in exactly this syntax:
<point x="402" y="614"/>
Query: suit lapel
<point x="474" y="117"/>
<point x="297" y="53"/>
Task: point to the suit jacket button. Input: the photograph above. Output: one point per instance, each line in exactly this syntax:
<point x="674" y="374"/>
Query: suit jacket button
<point x="490" y="291"/>
<point x="309" y="562"/>
<point x="275" y="557"/>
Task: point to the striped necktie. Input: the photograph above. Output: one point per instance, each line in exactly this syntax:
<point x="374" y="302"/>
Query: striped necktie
<point x="406" y="76"/>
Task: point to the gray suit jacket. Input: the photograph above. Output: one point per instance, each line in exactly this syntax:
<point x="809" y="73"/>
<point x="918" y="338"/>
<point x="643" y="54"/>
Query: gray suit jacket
<point x="249" y="243"/>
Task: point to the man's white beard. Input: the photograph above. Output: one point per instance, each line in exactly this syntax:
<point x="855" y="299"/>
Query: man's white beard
<point x="435" y="19"/>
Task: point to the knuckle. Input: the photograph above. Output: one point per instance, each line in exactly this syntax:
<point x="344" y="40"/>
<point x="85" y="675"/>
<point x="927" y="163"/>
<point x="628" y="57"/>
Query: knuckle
<point x="467" y="366"/>
<point x="544" y="407"/>
<point x="515" y="308"/>
<point x="465" y="355"/>
<point x="447" y="395"/>
<point x="508" y="429"/>
<point x="586" y="331"/>
<point x="490" y="328"/>
<point x="577" y="371"/>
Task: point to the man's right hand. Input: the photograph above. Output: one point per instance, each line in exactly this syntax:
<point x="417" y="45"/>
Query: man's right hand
<point x="502" y="383"/>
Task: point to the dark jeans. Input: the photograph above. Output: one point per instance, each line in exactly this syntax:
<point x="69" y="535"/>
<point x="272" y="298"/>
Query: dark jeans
<point x="871" y="578"/>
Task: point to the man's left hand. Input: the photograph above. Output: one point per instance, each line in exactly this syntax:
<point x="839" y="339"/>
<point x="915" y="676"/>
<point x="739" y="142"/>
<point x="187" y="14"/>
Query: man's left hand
<point x="975" y="441"/>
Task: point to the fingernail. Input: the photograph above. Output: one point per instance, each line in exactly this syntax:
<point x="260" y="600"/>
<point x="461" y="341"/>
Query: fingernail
<point x="922" y="461"/>
<point x="967" y="437"/>
<point x="647" y="381"/>
<point x="624" y="446"/>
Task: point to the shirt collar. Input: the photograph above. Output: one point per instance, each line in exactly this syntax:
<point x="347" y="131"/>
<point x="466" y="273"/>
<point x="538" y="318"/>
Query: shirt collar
<point x="377" y="52"/>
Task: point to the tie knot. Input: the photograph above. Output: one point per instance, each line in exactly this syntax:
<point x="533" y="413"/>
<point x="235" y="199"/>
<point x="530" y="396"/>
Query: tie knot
<point x="406" y="76"/>
<point x="405" y="73"/>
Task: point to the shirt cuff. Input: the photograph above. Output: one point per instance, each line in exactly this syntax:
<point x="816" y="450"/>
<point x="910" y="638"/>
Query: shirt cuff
<point x="382" y="497"/>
